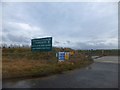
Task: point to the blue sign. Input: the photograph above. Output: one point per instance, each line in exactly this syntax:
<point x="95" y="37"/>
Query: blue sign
<point x="61" y="56"/>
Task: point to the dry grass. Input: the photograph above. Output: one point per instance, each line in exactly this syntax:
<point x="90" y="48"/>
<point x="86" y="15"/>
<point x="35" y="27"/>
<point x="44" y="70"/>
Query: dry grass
<point x="19" y="67"/>
<point x="16" y="64"/>
<point x="31" y="68"/>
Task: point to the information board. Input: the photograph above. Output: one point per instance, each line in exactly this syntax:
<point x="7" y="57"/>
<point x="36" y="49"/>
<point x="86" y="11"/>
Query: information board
<point x="41" y="44"/>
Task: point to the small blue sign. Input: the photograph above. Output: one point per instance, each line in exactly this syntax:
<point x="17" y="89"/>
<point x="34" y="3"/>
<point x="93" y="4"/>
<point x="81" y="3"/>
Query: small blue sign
<point x="61" y="56"/>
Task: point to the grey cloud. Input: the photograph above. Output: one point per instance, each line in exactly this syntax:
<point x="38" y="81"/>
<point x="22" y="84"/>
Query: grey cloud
<point x="56" y="42"/>
<point x="68" y="42"/>
<point x="4" y="38"/>
<point x="94" y="45"/>
<point x="16" y="39"/>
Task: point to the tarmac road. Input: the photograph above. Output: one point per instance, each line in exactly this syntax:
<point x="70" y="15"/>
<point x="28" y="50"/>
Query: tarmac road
<point x="103" y="73"/>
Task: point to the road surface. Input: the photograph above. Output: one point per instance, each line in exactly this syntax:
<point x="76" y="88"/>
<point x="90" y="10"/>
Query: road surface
<point x="103" y="73"/>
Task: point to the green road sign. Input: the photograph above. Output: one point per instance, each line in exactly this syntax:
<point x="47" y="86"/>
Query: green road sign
<point x="41" y="44"/>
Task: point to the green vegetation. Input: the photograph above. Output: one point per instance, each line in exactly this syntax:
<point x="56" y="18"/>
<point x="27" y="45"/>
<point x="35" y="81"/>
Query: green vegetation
<point x="21" y="62"/>
<point x="101" y="52"/>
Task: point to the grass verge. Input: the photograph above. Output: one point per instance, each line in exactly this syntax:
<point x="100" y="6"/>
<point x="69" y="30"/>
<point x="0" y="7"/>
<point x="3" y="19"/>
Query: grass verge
<point x="36" y="68"/>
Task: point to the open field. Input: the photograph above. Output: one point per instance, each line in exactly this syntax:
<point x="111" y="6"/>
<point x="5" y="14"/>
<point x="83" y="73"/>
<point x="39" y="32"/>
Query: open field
<point x="18" y="64"/>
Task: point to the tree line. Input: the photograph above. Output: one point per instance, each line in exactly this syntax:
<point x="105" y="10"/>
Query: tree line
<point x="100" y="52"/>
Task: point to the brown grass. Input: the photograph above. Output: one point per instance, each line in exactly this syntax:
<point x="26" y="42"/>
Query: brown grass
<point x="16" y="64"/>
<point x="29" y="68"/>
<point x="16" y="67"/>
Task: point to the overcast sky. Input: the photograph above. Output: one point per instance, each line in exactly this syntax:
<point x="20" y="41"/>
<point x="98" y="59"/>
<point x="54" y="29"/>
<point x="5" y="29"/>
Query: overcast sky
<point x="78" y="25"/>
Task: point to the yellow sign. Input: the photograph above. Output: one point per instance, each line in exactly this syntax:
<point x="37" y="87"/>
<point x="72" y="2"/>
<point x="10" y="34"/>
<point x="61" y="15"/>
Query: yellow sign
<point x="67" y="56"/>
<point x="72" y="53"/>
